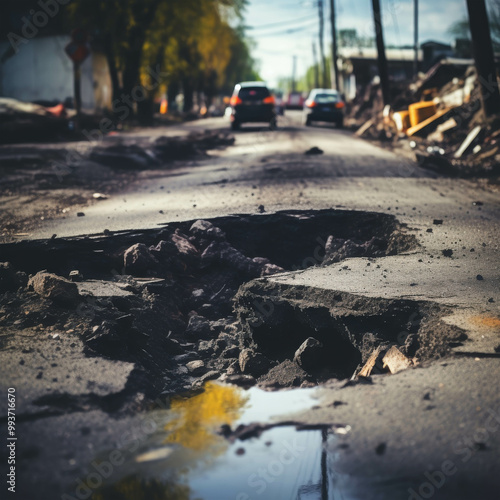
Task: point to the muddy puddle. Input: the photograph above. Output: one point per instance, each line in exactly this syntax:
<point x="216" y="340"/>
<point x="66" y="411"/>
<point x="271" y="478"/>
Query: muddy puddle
<point x="210" y="446"/>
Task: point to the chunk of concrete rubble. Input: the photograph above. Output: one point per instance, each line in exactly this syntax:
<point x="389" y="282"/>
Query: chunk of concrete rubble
<point x="223" y="252"/>
<point x="306" y="356"/>
<point x="139" y="259"/>
<point x="205" y="229"/>
<point x="183" y="245"/>
<point x="100" y="288"/>
<point x="253" y="363"/>
<point x="55" y="288"/>
<point x="163" y="249"/>
<point x="395" y="360"/>
<point x="210" y="375"/>
<point x="337" y="249"/>
<point x="286" y="374"/>
<point x="196" y="367"/>
<point x="200" y="227"/>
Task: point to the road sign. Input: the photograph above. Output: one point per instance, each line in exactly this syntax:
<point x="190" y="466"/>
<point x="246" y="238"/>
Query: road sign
<point x="77" y="52"/>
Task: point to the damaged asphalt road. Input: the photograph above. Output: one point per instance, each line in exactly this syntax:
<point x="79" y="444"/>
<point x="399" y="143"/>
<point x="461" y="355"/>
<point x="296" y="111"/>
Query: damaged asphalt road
<point x="337" y="256"/>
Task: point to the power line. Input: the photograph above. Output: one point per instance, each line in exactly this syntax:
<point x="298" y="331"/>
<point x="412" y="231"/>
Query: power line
<point x="286" y="32"/>
<point x="291" y="21"/>
<point x="286" y="3"/>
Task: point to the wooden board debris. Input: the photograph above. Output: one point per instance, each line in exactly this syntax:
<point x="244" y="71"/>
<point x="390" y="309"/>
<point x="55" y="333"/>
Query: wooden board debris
<point x="421" y="111"/>
<point x="364" y="128"/>
<point x="469" y="140"/>
<point x="370" y="363"/>
<point x="395" y="360"/>
<point x="429" y="125"/>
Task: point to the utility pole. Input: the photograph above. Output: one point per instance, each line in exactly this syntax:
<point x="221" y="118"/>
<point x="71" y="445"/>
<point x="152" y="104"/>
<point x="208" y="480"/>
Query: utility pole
<point x="294" y="68"/>
<point x="316" y="67"/>
<point x="321" y="46"/>
<point x="382" y="60"/>
<point x="483" y="56"/>
<point x="415" y="34"/>
<point x="335" y="69"/>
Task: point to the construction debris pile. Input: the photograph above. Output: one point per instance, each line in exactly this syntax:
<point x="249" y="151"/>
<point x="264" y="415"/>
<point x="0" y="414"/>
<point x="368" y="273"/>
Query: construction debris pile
<point x="24" y="121"/>
<point x="438" y="120"/>
<point x="70" y="173"/>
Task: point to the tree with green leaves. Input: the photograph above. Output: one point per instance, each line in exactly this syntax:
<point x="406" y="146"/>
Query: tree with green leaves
<point x="192" y="41"/>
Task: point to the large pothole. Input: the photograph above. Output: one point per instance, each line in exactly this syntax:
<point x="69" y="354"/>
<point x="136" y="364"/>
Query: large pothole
<point x="190" y="302"/>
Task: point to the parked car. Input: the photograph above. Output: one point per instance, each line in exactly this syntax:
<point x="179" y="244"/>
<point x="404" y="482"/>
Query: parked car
<point x="324" y="105"/>
<point x="252" y="102"/>
<point x="294" y="100"/>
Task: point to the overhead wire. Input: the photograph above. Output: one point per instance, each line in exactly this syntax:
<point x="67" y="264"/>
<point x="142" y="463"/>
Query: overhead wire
<point x="281" y="23"/>
<point x="286" y="32"/>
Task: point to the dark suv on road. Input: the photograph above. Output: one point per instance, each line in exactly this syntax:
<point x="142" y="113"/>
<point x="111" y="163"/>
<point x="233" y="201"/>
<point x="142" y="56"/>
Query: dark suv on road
<point x="324" y="105"/>
<point x="252" y="102"/>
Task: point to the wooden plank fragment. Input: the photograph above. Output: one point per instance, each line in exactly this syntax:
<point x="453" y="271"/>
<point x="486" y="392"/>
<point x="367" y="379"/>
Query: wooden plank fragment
<point x="427" y="126"/>
<point x="468" y="142"/>
<point x="370" y="363"/>
<point x="364" y="128"/>
<point x="395" y="360"/>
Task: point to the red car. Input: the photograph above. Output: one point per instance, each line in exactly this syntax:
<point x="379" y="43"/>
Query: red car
<point x="294" y="100"/>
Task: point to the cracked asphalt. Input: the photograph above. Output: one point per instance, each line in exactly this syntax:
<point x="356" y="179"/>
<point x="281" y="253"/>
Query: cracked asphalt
<point x="401" y="426"/>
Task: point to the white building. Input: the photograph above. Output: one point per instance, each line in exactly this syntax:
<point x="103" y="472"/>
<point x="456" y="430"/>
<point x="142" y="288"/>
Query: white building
<point x="42" y="71"/>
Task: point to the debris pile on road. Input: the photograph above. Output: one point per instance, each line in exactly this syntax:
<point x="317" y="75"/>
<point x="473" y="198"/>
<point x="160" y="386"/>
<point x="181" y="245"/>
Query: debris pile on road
<point x="438" y="120"/>
<point x="24" y="121"/>
<point x="386" y="359"/>
<point x="141" y="155"/>
<point x="88" y="172"/>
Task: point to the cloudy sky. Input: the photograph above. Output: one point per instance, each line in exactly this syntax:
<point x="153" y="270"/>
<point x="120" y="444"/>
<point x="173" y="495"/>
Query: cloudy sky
<point x="284" y="28"/>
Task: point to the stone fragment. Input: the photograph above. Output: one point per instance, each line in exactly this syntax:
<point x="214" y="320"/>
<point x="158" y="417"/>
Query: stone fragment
<point x="55" y="288"/>
<point x="306" y="356"/>
<point x="139" y="259"/>
<point x="196" y="367"/>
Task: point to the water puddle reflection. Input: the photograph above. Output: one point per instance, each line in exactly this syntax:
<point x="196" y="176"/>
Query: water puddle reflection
<point x="188" y="458"/>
